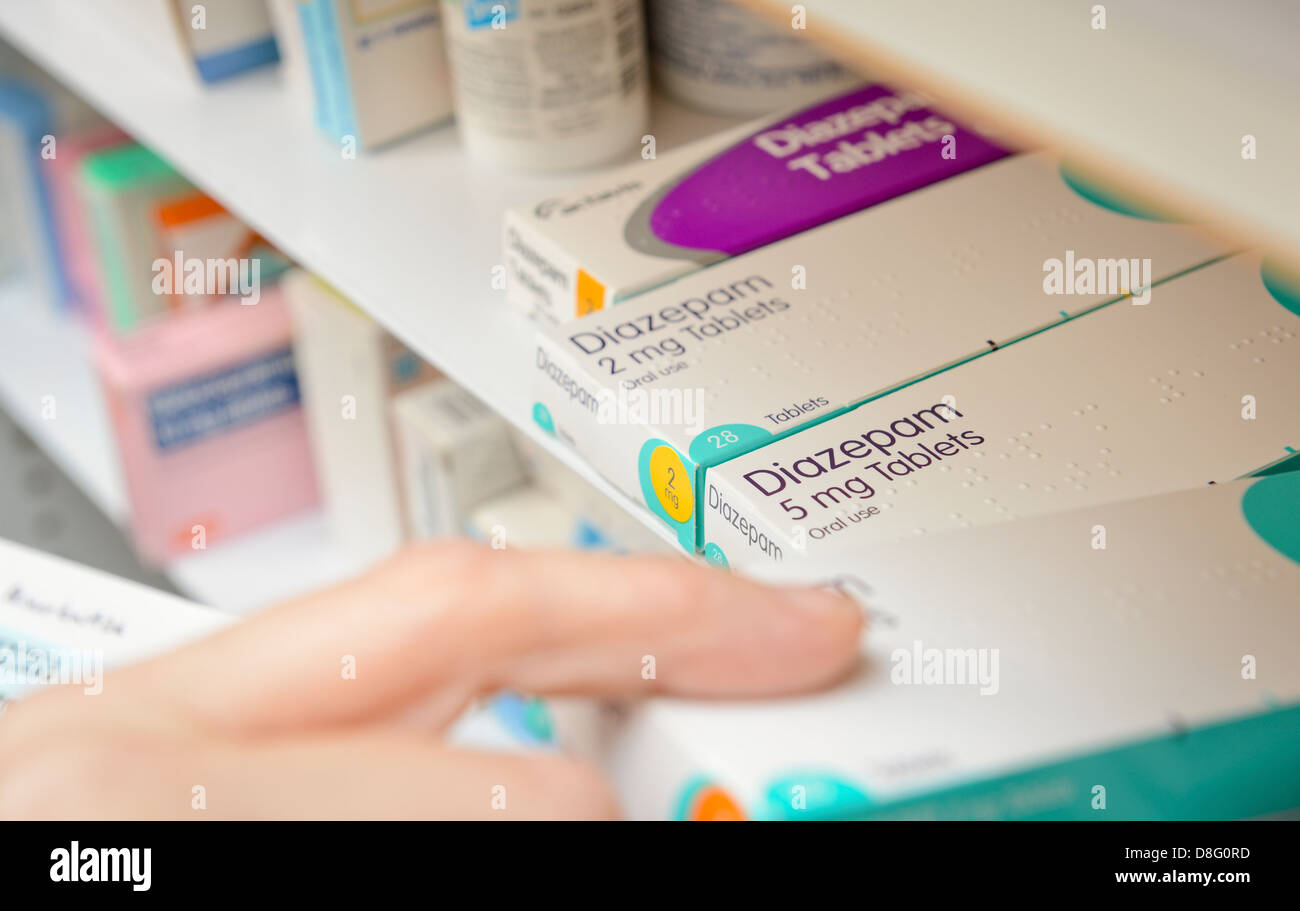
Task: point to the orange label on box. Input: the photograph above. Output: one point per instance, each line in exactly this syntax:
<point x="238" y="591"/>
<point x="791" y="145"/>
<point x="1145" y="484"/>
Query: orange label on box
<point x="590" y="294"/>
<point x="715" y="805"/>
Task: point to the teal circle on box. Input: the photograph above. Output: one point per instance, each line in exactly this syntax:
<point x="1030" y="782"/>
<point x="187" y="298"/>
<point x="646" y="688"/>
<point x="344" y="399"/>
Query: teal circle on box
<point x="714" y="556"/>
<point x="1106" y="197"/>
<point x="717" y="444"/>
<point x="1271" y="506"/>
<point x="542" y="418"/>
<point x="685" y="530"/>
<point x="1284" y="287"/>
<point x="537" y="720"/>
<point x="814" y="795"/>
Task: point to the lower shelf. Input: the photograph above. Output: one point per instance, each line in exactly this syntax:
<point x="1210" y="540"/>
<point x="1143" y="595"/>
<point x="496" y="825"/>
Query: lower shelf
<point x="48" y="387"/>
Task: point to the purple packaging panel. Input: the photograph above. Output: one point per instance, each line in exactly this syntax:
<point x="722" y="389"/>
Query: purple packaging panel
<point x="663" y="217"/>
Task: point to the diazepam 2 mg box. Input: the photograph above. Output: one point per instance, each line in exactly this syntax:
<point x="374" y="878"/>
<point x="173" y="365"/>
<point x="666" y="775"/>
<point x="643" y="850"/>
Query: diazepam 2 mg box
<point x="1161" y="682"/>
<point x="735" y="356"/>
<point x="658" y="219"/>
<point x="1201" y="385"/>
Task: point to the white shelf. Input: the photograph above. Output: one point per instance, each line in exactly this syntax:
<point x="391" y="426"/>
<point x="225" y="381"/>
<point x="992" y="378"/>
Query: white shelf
<point x="410" y="234"/>
<point x="1159" y="100"/>
<point x="45" y="361"/>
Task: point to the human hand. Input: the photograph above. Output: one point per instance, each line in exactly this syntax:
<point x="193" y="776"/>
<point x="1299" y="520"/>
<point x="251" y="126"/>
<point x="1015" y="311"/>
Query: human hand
<point x="262" y="718"/>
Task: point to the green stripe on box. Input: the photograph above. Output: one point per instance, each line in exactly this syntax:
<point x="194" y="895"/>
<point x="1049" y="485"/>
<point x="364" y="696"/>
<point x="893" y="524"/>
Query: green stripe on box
<point x="1232" y="770"/>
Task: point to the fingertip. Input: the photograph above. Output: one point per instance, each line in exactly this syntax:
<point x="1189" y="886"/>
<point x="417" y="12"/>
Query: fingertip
<point x="834" y="626"/>
<point x="826" y="605"/>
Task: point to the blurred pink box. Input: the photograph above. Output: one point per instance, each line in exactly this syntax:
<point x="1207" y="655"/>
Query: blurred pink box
<point x="206" y="409"/>
<point x="75" y="238"/>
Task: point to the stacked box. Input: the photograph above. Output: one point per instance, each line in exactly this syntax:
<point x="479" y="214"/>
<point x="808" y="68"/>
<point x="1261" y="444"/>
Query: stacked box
<point x="1201" y="385"/>
<point x="736" y="356"/>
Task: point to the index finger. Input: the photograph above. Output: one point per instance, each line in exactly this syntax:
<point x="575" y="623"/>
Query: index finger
<point x="443" y="622"/>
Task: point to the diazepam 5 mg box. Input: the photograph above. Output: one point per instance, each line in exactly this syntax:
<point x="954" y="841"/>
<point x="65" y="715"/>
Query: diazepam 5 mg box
<point x="1161" y="682"/>
<point x="1202" y="385"/>
<point x="733" y="357"/>
<point x="663" y="217"/>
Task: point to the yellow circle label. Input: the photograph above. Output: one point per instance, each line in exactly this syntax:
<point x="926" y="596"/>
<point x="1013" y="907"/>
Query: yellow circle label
<point x="672" y="483"/>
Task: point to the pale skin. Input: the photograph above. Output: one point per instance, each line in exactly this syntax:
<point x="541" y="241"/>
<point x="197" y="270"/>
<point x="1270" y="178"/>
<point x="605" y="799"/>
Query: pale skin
<point x="261" y="716"/>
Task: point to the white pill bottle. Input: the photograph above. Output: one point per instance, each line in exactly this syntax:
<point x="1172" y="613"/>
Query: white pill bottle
<point x="548" y="85"/>
<point x="716" y="56"/>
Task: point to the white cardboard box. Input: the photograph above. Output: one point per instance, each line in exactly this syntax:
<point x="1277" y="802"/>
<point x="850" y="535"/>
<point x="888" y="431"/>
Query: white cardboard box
<point x="640" y="226"/>
<point x="456" y="454"/>
<point x="378" y="67"/>
<point x="1018" y="671"/>
<point x="1201" y="385"/>
<point x="352" y="370"/>
<point x="204" y="42"/>
<point x="730" y="358"/>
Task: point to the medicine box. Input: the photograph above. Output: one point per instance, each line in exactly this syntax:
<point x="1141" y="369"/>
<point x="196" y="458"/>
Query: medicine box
<point x="534" y="517"/>
<point x="83" y="286"/>
<point x="295" y="71"/>
<point x="378" y="68"/>
<point x="455" y="453"/>
<point x="1023" y="671"/>
<point x="231" y="37"/>
<point x="531" y="518"/>
<point x="210" y="431"/>
<point x="45" y="132"/>
<point x="666" y="216"/>
<point x="27" y="229"/>
<point x="351" y="370"/>
<point x="209" y="255"/>
<point x="731" y="358"/>
<point x="123" y="187"/>
<point x="210" y="41"/>
<point x="1201" y="385"/>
